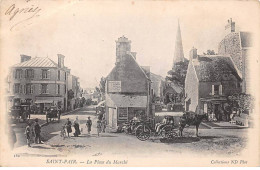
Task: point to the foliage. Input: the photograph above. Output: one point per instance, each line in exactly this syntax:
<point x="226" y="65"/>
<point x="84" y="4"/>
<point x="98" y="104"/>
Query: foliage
<point x="70" y="94"/>
<point x="210" y="52"/>
<point x="102" y="85"/>
<point x="178" y="73"/>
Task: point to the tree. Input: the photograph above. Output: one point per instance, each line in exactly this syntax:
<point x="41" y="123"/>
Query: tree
<point x="70" y="94"/>
<point x="178" y="73"/>
<point x="210" y="52"/>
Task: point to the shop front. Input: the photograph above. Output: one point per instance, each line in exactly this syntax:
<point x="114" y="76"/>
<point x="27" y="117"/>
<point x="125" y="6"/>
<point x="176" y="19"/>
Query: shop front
<point x="44" y="103"/>
<point x="215" y="108"/>
<point x="122" y="108"/>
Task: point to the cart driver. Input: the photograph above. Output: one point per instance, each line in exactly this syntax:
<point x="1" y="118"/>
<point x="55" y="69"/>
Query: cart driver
<point x="158" y="126"/>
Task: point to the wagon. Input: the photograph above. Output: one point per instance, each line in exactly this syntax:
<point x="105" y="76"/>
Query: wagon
<point x="145" y="130"/>
<point x="20" y="112"/>
<point x="53" y="114"/>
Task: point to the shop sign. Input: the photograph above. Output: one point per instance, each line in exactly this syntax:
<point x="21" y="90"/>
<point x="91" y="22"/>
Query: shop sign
<point x="114" y="86"/>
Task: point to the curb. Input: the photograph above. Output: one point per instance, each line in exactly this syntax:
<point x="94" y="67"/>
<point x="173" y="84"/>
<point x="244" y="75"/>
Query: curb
<point x="204" y="124"/>
<point x="66" y="113"/>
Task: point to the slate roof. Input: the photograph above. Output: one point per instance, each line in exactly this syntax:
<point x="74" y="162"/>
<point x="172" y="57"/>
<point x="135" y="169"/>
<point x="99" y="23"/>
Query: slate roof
<point x="246" y="40"/>
<point x="172" y="86"/>
<point x="212" y="68"/>
<point x="155" y="77"/>
<point x="125" y="100"/>
<point x="37" y="62"/>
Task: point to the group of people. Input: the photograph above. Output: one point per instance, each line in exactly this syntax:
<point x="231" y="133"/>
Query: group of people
<point x="101" y="125"/>
<point x="33" y="133"/>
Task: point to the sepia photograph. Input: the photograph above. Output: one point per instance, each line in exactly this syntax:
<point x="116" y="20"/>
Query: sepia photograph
<point x="129" y="83"/>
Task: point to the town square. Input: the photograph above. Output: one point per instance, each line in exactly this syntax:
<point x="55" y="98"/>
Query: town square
<point x="109" y="90"/>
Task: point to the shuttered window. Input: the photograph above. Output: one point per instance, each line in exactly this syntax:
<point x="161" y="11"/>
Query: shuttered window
<point x="44" y="88"/>
<point x="46" y="74"/>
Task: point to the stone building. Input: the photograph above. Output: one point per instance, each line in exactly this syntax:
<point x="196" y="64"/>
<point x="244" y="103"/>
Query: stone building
<point x="238" y="45"/>
<point x="39" y="82"/>
<point x="128" y="88"/>
<point x="209" y="81"/>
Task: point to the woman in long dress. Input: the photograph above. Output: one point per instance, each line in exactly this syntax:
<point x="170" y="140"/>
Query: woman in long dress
<point x="76" y="126"/>
<point x="68" y="126"/>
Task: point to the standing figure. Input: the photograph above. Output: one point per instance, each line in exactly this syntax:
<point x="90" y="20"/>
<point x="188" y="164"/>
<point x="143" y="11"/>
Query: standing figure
<point x="99" y="127"/>
<point x="68" y="126"/>
<point x="103" y="124"/>
<point x="37" y="132"/>
<point x="89" y="124"/>
<point x="28" y="134"/>
<point x="76" y="126"/>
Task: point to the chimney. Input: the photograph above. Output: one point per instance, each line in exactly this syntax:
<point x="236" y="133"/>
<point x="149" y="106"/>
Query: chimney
<point x="61" y="60"/>
<point x="230" y="27"/>
<point x="123" y="45"/>
<point x="193" y="53"/>
<point x="25" y="58"/>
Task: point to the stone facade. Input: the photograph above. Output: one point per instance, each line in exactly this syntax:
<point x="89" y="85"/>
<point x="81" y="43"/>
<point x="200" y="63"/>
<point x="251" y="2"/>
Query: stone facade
<point x="40" y="82"/>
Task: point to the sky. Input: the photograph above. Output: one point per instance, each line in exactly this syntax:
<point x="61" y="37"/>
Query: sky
<point x="86" y="31"/>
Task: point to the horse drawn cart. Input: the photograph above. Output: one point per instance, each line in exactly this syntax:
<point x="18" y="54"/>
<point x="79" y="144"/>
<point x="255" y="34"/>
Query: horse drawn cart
<point x="146" y="129"/>
<point x="20" y="112"/>
<point x="53" y="113"/>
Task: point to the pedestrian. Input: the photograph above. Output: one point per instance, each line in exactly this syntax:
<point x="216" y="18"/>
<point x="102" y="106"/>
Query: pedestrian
<point x="68" y="126"/>
<point x="37" y="132"/>
<point x="28" y="134"/>
<point x="103" y="124"/>
<point x="76" y="126"/>
<point x="99" y="127"/>
<point x="89" y="124"/>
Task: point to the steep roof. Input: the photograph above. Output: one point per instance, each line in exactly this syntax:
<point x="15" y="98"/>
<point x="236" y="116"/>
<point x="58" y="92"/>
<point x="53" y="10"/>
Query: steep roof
<point x="155" y="77"/>
<point x="37" y="62"/>
<point x="246" y="39"/>
<point x="212" y="68"/>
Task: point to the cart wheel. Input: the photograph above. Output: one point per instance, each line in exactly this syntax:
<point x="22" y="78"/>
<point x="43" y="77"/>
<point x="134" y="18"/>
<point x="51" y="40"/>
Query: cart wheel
<point x="171" y="135"/>
<point x="142" y="133"/>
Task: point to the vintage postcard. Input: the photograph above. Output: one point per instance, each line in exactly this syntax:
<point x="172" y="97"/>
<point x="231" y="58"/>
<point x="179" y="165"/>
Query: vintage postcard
<point x="129" y="83"/>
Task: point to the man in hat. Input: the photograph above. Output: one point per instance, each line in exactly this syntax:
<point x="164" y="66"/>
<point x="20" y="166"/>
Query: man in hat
<point x="37" y="132"/>
<point x="89" y="124"/>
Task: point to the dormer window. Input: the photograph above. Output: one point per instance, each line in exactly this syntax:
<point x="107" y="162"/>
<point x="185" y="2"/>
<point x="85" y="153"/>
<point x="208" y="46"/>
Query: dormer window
<point x="217" y="89"/>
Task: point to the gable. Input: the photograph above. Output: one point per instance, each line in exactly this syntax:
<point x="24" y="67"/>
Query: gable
<point x="130" y="74"/>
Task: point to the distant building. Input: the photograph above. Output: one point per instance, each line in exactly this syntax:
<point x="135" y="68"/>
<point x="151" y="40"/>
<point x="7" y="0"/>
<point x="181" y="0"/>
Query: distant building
<point x="128" y="87"/>
<point x="157" y="87"/>
<point x="238" y="45"/>
<point x="209" y="81"/>
<point x="40" y="82"/>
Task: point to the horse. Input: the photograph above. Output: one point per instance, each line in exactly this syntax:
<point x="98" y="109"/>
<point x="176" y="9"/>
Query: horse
<point x="191" y="118"/>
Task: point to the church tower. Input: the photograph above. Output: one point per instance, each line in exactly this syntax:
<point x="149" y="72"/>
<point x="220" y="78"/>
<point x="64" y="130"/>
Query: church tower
<point x="178" y="53"/>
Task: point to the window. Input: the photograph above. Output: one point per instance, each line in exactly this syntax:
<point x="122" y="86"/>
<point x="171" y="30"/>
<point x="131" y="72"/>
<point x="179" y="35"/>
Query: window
<point x="58" y="89"/>
<point x="45" y="74"/>
<point x="217" y="89"/>
<point x="29" y="73"/>
<point x="18" y="73"/>
<point x="58" y="74"/>
<point x="65" y="76"/>
<point x="17" y="88"/>
<point x="44" y="88"/>
<point x="29" y="88"/>
<point x="122" y="113"/>
<point x="65" y="89"/>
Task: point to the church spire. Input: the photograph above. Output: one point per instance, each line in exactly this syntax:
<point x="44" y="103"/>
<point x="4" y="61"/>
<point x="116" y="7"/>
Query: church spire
<point x="178" y="53"/>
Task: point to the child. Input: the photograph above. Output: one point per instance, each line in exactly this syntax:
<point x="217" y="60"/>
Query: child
<point x="89" y="124"/>
<point x="63" y="132"/>
<point x="28" y="134"/>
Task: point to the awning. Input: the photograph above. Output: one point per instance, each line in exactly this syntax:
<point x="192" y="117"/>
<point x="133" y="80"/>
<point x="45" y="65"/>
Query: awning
<point x="44" y="101"/>
<point x="118" y="100"/>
